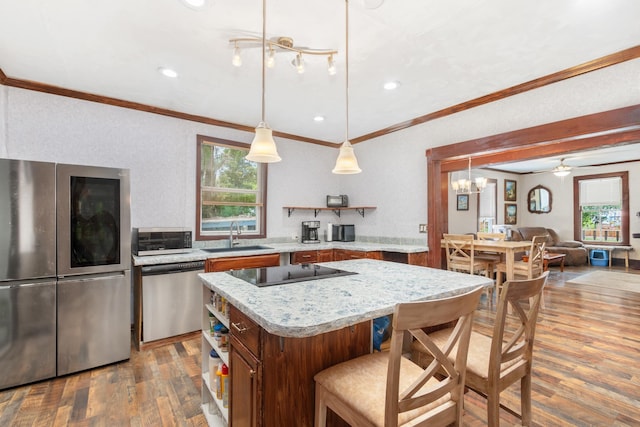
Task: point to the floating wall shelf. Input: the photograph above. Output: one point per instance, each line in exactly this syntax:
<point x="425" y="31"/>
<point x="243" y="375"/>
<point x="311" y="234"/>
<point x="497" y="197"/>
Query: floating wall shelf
<point x="359" y="209"/>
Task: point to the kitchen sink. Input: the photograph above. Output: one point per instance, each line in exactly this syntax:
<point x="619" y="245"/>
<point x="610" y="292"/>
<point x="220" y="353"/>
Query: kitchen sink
<point x="236" y="249"/>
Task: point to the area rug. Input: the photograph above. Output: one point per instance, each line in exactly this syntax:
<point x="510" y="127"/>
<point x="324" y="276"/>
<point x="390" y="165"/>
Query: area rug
<point x="610" y="279"/>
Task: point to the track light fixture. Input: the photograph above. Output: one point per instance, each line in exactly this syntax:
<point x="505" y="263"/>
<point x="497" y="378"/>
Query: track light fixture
<point x="280" y="45"/>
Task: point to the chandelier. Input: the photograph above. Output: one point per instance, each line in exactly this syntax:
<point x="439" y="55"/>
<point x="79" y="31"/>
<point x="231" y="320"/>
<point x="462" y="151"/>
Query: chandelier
<point x="278" y="45"/>
<point x="466" y="185"/>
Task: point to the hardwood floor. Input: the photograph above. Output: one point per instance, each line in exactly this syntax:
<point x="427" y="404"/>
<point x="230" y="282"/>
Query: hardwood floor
<point x="586" y="373"/>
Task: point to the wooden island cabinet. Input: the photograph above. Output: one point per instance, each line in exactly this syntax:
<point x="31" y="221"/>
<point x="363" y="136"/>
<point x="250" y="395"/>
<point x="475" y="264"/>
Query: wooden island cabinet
<point x="272" y="377"/>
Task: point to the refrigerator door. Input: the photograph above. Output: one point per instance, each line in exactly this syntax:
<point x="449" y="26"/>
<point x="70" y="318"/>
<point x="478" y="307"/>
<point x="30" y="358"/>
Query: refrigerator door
<point x="27" y="332"/>
<point x="27" y="220"/>
<point x="94" y="225"/>
<point x="94" y="321"/>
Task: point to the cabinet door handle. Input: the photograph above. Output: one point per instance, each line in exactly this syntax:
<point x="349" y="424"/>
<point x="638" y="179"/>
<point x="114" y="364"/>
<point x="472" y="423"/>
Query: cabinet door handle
<point x="252" y="372"/>
<point x="240" y="327"/>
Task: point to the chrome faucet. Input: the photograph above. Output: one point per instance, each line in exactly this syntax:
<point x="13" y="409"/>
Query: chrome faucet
<point x="232" y="243"/>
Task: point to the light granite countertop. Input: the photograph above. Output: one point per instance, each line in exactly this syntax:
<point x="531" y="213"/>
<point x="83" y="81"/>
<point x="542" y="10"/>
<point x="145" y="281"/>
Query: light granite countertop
<point x="313" y="307"/>
<point x="199" y="255"/>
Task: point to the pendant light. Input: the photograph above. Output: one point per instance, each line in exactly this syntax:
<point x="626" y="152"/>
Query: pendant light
<point x="346" y="162"/>
<point x="263" y="148"/>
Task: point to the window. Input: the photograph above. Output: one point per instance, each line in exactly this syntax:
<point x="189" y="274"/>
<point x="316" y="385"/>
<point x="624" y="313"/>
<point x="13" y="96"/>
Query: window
<point x="487" y="207"/>
<point x="231" y="191"/>
<point x="602" y="213"/>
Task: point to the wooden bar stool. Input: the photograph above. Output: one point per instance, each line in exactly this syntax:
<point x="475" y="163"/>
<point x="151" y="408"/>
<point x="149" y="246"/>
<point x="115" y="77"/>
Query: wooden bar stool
<point x="387" y="389"/>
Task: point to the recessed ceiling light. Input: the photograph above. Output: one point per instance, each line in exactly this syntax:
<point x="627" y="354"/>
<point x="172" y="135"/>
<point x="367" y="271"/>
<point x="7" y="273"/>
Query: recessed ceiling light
<point x="391" y="85"/>
<point x="168" y="72"/>
<point x="318" y="119"/>
<point x="194" y="4"/>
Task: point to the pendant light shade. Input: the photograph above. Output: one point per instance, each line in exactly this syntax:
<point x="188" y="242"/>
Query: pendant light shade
<point x="346" y="162"/>
<point x="263" y="148"/>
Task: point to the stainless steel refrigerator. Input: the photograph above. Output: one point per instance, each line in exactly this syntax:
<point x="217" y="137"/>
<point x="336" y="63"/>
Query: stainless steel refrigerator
<point x="65" y="256"/>
<point x="27" y="272"/>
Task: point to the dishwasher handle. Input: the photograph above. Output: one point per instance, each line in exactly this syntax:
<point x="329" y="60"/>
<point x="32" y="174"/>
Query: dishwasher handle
<point x="151" y="270"/>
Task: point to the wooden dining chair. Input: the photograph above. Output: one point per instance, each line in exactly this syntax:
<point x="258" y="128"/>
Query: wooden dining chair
<point x="481" y="235"/>
<point x="493" y="257"/>
<point x="461" y="257"/>
<point x="532" y="267"/>
<point x="387" y="389"/>
<point x="495" y="362"/>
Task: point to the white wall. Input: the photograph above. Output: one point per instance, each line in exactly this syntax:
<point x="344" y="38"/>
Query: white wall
<point x="161" y="154"/>
<point x="160" y="151"/>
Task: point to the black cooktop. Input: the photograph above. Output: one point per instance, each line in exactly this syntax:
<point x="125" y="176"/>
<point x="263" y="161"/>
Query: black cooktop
<point x="269" y="276"/>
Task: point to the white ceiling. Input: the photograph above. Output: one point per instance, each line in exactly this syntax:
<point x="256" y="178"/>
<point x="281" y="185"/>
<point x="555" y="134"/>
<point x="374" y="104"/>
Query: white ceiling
<point x="442" y="52"/>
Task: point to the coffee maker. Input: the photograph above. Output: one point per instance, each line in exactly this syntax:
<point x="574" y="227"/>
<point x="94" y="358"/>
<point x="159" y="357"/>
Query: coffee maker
<point x="310" y="231"/>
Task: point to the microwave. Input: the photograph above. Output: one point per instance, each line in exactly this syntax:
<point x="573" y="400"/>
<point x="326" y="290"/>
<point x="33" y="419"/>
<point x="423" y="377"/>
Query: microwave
<point x="341" y="201"/>
<point x="160" y="241"/>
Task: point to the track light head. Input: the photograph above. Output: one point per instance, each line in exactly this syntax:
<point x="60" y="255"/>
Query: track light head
<point x="237" y="60"/>
<point x="331" y="66"/>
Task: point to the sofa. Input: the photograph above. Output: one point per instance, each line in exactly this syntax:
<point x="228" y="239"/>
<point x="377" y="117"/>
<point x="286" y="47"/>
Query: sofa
<point x="576" y="253"/>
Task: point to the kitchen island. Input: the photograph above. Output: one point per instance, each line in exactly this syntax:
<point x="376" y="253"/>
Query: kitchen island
<point x="282" y="335"/>
<point x="165" y="304"/>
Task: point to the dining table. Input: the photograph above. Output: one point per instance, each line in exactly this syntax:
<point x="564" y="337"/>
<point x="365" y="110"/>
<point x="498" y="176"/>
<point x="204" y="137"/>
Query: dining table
<point x="507" y="247"/>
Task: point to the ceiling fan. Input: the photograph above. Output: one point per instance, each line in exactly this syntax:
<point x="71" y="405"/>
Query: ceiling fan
<point x="562" y="169"/>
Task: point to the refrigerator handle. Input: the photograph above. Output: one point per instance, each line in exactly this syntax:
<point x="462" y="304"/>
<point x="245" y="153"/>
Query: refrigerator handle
<point x="26" y="285"/>
<point x="92" y="277"/>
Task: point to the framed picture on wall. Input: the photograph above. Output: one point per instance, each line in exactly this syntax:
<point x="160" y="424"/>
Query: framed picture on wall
<point x="510" y="213"/>
<point x="510" y="194"/>
<point x="463" y="202"/>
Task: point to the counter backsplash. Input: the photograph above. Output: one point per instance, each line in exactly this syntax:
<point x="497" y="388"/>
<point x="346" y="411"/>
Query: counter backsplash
<point x="421" y="241"/>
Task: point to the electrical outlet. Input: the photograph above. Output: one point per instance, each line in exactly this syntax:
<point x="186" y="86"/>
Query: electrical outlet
<point x="422" y="228"/>
<point x="294" y="237"/>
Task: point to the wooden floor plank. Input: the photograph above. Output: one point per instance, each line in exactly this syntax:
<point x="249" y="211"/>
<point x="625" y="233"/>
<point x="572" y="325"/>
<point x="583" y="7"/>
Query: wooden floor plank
<point x="585" y="372"/>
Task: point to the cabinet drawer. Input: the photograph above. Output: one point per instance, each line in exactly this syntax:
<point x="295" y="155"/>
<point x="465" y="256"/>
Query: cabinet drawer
<point x="237" y="263"/>
<point x="346" y="254"/>
<point x="304" y="257"/>
<point x="245" y="330"/>
<point x="325" y="255"/>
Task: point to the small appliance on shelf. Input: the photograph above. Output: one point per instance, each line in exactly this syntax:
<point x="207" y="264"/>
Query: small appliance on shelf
<point x="341" y="201"/>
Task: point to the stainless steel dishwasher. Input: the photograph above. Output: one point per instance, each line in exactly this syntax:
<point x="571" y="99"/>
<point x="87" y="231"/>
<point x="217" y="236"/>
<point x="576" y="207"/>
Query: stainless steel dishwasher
<point x="171" y="299"/>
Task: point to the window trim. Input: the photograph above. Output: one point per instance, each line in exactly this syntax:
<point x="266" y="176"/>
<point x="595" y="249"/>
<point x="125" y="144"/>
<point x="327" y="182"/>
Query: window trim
<point x="577" y="219"/>
<point x="263" y="171"/>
